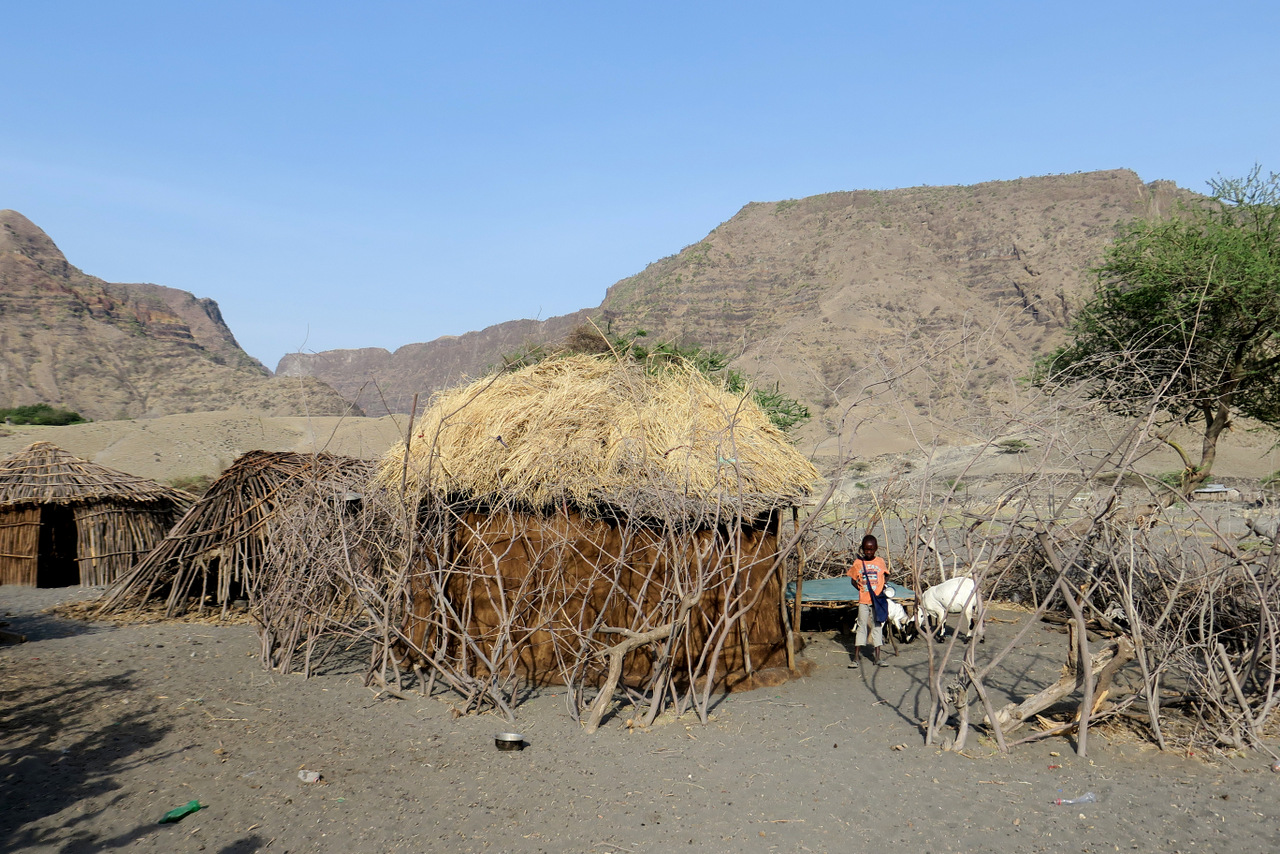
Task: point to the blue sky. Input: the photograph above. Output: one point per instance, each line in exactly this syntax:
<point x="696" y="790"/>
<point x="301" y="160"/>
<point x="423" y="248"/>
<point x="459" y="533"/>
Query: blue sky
<point x="379" y="173"/>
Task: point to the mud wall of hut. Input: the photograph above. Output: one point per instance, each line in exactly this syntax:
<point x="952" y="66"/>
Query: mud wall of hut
<point x="537" y="591"/>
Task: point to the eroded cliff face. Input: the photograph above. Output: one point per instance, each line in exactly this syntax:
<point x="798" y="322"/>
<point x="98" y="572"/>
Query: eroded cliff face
<point x="950" y="292"/>
<point x="382" y="382"/>
<point x="110" y="350"/>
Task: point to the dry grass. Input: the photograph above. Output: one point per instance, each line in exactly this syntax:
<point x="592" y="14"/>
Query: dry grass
<point x="598" y="431"/>
<point x="151" y="612"/>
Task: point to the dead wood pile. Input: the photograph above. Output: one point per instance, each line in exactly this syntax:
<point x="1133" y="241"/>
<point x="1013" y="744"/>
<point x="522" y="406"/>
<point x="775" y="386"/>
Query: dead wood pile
<point x="1179" y="624"/>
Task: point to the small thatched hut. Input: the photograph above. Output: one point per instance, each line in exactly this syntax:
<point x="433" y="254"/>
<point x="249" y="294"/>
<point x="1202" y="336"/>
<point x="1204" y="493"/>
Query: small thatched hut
<point x="218" y="548"/>
<point x="588" y="509"/>
<point x="65" y="521"/>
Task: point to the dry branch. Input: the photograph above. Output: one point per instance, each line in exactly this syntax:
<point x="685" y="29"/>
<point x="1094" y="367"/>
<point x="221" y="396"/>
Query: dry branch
<point x="1014" y="715"/>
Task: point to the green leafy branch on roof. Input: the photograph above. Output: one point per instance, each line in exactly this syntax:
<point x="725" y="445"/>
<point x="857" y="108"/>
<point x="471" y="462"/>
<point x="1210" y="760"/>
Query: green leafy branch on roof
<point x="784" y="412"/>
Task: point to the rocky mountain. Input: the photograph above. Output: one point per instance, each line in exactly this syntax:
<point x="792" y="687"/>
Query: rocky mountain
<point x="112" y="351"/>
<point x="382" y="382"/>
<point x="946" y="294"/>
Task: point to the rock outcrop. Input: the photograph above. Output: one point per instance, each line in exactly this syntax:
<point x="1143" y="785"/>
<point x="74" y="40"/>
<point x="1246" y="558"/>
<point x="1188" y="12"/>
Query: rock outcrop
<point x="110" y="350"/>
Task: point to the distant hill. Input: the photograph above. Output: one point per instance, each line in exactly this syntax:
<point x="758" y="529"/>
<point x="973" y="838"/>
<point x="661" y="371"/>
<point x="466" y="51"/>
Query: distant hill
<point x="111" y="351"/>
<point x="826" y="294"/>
<point x="383" y="382"/>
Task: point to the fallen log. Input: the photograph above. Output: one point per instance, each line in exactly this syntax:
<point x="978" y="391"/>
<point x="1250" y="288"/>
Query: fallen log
<point x="1109" y="660"/>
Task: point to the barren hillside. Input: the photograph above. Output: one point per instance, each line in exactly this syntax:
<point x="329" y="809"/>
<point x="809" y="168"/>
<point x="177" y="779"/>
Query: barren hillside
<point x="124" y="350"/>
<point x="952" y="290"/>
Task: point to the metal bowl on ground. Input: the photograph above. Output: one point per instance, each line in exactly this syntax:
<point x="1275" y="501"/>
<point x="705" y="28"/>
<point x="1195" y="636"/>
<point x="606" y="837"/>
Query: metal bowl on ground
<point x="509" y="741"/>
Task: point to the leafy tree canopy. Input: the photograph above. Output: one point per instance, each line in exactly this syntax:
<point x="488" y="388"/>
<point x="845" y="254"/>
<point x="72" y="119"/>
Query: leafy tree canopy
<point x="42" y="414"/>
<point x="1186" y="315"/>
<point x="785" y="412"/>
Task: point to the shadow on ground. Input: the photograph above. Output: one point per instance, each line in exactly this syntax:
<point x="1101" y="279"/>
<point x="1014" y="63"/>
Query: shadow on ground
<point x="59" y="753"/>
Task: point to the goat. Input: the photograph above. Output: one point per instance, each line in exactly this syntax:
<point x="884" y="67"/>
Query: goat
<point x="899" y="622"/>
<point x="954" y="596"/>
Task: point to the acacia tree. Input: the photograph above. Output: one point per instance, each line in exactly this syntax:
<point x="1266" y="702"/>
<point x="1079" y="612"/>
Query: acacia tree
<point x="1186" y="315"/>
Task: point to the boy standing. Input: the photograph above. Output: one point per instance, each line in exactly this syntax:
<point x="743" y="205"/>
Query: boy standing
<point x="868" y="574"/>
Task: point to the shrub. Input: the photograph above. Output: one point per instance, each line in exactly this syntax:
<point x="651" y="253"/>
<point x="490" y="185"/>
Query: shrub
<point x="42" y="414"/>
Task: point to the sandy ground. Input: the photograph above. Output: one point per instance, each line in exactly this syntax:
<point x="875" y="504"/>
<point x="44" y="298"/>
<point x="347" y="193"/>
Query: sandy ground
<point x="103" y="729"/>
<point x="205" y="443"/>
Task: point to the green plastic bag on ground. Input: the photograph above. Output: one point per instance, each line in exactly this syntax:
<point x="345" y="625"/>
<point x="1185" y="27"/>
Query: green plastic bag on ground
<point x="180" y="813"/>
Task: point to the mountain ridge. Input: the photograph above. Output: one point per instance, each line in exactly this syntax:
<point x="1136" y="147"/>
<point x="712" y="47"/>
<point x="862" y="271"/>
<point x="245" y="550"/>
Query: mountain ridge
<point x="825" y="294"/>
<point x="124" y="350"/>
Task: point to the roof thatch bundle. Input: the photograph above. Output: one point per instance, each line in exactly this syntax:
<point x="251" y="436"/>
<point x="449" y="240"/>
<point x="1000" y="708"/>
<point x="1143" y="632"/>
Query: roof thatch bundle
<point x="598" y="431"/>
<point x="64" y="520"/>
<point x="225" y="535"/>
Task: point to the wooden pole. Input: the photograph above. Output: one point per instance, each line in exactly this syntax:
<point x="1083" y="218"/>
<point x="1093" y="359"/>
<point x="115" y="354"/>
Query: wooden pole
<point x="795" y="617"/>
<point x="782" y="601"/>
<point x="408" y="440"/>
<point x="1082" y="641"/>
<point x="1014" y="715"/>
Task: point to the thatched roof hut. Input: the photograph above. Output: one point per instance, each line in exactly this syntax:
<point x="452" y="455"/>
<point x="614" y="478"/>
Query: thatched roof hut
<point x="218" y="547"/>
<point x="599" y="432"/>
<point x="64" y="520"/>
<point x="588" y="498"/>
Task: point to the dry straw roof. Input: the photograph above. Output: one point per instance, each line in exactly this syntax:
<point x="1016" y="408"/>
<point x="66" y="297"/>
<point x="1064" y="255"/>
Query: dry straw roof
<point x="599" y="431"/>
<point x="43" y="473"/>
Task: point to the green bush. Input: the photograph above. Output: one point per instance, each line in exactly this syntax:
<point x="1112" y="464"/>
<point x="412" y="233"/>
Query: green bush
<point x="42" y="414"/>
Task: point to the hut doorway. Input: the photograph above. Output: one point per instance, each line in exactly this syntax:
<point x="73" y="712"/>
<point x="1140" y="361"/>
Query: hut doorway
<point x="57" y="566"/>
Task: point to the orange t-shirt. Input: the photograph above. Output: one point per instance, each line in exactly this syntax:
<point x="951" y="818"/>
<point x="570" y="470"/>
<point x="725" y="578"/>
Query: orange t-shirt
<point x="877" y="571"/>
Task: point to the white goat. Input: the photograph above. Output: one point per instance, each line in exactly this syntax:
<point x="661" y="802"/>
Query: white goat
<point x="898" y="620"/>
<point x="954" y="596"/>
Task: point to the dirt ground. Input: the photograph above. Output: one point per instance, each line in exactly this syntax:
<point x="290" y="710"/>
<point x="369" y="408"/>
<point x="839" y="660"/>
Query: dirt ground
<point x="103" y="729"/>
